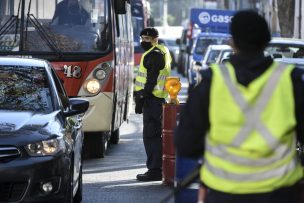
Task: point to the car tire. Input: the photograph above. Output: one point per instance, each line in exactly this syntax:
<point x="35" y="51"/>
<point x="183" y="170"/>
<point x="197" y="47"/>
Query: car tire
<point x="115" y="137"/>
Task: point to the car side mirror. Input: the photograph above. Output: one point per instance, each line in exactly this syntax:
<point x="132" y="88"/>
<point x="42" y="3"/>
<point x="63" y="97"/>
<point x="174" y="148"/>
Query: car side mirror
<point x="77" y="106"/>
<point x="178" y="41"/>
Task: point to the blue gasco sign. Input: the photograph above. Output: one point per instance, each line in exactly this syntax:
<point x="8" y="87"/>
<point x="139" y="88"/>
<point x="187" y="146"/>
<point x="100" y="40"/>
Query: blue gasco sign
<point x="212" y="19"/>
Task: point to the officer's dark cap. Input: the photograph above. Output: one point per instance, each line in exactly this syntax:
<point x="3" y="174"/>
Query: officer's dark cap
<point x="249" y="31"/>
<point x="149" y="31"/>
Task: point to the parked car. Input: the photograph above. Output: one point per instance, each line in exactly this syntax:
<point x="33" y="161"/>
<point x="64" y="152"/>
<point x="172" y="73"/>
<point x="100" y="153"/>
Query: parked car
<point x="200" y="46"/>
<point x="214" y="54"/>
<point x="182" y="58"/>
<point x="298" y="62"/>
<point x="40" y="134"/>
<point x="285" y="48"/>
<point x="173" y="48"/>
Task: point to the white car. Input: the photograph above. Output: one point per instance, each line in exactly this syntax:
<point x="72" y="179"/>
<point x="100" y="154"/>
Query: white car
<point x="214" y="54"/>
<point x="285" y="48"/>
<point x="298" y="62"/>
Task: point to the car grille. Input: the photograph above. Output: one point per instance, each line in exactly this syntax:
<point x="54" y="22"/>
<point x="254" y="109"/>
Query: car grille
<point x="8" y="153"/>
<point x="12" y="192"/>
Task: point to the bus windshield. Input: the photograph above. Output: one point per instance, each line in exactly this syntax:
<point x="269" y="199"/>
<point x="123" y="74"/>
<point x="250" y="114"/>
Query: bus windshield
<point x="54" y="26"/>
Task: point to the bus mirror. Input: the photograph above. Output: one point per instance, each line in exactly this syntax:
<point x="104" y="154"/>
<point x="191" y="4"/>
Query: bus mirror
<point x="120" y="6"/>
<point x="178" y="41"/>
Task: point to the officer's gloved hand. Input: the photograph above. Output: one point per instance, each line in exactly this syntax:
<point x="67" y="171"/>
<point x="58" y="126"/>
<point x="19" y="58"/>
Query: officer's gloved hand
<point x="139" y="101"/>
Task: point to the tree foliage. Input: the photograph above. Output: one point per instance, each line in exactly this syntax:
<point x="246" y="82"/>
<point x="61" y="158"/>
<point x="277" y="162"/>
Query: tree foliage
<point x="286" y="10"/>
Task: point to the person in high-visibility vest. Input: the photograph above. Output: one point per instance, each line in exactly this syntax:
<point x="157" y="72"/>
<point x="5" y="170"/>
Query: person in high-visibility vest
<point x="244" y="119"/>
<point x="150" y="94"/>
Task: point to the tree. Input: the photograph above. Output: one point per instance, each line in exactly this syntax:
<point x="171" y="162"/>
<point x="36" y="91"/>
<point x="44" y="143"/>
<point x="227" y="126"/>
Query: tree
<point x="286" y="10"/>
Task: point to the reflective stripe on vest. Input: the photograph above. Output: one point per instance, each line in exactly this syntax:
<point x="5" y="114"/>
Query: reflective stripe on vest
<point x="141" y="78"/>
<point x="253" y="122"/>
<point x="281" y="159"/>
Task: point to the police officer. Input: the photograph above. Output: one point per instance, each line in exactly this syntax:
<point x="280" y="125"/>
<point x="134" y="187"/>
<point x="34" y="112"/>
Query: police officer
<point x="150" y="94"/>
<point x="243" y="118"/>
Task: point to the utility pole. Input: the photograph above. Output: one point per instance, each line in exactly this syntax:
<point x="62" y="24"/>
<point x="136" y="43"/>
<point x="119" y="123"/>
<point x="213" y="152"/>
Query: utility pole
<point x="165" y="12"/>
<point x="300" y="19"/>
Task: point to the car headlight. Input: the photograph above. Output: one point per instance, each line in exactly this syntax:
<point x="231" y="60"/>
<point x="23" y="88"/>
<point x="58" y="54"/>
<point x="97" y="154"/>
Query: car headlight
<point x="92" y="86"/>
<point x="45" y="147"/>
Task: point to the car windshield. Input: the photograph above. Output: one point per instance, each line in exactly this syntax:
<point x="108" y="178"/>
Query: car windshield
<point x="225" y="55"/>
<point x="171" y="42"/>
<point x="24" y="88"/>
<point x="203" y="43"/>
<point x="54" y="26"/>
<point x="212" y="57"/>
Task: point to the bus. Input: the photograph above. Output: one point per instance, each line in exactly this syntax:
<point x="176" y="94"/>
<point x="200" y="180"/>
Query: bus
<point x="140" y="10"/>
<point x="93" y="56"/>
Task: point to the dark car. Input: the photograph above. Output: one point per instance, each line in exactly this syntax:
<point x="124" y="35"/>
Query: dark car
<point x="40" y="134"/>
<point x="173" y="48"/>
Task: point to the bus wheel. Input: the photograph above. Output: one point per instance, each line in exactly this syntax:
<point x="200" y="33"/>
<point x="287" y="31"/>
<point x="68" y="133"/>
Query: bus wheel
<point x="95" y="144"/>
<point x="115" y="137"/>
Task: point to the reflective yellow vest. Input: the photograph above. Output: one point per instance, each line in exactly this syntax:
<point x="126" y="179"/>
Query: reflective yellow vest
<point x="141" y="78"/>
<point x="251" y="144"/>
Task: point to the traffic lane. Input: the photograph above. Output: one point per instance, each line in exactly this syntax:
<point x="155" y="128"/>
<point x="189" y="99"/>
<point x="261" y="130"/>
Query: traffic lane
<point x="113" y="178"/>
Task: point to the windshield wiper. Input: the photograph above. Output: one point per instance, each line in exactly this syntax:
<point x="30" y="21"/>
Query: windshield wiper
<point x="13" y="20"/>
<point x="41" y="31"/>
<point x="44" y="35"/>
<point x="8" y="25"/>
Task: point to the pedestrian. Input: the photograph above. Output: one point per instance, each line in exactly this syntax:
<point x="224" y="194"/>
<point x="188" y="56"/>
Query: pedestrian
<point x="243" y="119"/>
<point x="150" y="95"/>
<point x="70" y="12"/>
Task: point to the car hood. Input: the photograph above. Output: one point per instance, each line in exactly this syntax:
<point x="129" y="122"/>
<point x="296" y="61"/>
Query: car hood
<point x="19" y="127"/>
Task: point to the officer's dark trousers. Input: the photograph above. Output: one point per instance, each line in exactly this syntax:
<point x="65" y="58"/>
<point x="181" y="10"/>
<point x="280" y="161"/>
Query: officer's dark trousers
<point x="152" y="133"/>
<point x="283" y="195"/>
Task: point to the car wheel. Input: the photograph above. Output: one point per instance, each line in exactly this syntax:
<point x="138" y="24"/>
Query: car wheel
<point x="115" y="137"/>
<point x="78" y="195"/>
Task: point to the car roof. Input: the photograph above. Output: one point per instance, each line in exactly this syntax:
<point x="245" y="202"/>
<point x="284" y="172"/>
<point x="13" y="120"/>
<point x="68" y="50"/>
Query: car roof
<point x="18" y="61"/>
<point x="295" y="61"/>
<point x="220" y="47"/>
<point x="213" y="34"/>
<point x="279" y="40"/>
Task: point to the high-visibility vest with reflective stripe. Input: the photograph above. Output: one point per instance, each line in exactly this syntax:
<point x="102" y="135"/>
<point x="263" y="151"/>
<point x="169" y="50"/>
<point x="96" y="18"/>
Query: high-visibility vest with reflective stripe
<point x="141" y="78"/>
<point x="251" y="144"/>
